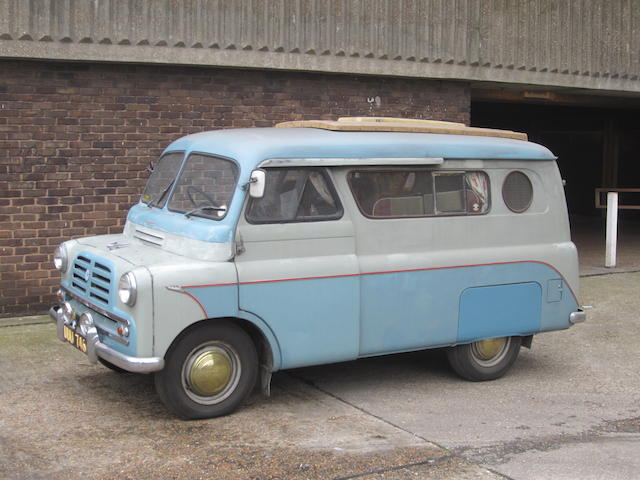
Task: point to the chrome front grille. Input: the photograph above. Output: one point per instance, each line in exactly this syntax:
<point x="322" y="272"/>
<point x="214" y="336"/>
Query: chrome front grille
<point x="92" y="278"/>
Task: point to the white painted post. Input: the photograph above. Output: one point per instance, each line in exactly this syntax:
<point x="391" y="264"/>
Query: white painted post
<point x="612" y="229"/>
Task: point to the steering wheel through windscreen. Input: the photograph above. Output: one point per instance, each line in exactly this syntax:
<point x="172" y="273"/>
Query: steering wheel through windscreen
<point x="192" y="190"/>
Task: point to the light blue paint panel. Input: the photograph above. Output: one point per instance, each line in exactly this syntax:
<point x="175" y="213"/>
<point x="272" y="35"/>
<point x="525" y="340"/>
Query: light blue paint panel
<point x="315" y="321"/>
<point x="420" y="309"/>
<point x="555" y="290"/>
<point x="250" y="146"/>
<point x="408" y="310"/>
<point x="198" y="228"/>
<point x="222" y="301"/>
<point x="218" y="300"/>
<point x="500" y="310"/>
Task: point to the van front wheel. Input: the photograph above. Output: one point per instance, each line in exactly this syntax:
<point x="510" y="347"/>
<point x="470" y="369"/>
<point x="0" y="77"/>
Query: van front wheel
<point x="485" y="359"/>
<point x="208" y="372"/>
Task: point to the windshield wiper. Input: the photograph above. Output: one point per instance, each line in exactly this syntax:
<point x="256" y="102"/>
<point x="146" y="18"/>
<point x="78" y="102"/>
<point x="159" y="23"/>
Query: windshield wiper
<point x="205" y="207"/>
<point x="155" y="202"/>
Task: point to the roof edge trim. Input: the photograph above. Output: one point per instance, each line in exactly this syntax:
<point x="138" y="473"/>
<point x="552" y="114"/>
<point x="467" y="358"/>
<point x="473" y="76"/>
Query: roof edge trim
<point x="341" y="162"/>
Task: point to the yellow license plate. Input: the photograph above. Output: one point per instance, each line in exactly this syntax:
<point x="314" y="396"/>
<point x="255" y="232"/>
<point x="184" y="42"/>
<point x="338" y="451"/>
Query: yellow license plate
<point x="75" y="339"/>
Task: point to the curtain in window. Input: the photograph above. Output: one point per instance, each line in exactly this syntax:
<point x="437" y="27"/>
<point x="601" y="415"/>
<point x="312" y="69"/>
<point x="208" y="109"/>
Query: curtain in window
<point x="479" y="183"/>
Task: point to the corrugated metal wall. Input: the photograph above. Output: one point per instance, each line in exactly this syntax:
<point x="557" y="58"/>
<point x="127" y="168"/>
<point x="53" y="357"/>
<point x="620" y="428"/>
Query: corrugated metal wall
<point x="580" y="43"/>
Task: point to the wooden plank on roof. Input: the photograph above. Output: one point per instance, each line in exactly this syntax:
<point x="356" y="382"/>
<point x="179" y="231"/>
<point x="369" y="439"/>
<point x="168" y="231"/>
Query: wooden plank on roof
<point x="388" y="124"/>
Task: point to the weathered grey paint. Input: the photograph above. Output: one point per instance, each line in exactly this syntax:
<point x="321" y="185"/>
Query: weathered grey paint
<point x="593" y="44"/>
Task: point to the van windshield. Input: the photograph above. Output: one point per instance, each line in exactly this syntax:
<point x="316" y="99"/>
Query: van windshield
<point x="161" y="180"/>
<point x="205" y="187"/>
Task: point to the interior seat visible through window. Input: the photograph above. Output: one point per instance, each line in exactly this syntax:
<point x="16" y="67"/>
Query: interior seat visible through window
<point x="295" y="194"/>
<point x="419" y="192"/>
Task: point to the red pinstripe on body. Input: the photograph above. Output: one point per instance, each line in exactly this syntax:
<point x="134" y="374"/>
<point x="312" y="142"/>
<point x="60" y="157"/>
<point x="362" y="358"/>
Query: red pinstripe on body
<point x="378" y="273"/>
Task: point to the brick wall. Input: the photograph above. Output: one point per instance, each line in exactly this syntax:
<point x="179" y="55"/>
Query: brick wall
<point x="75" y="140"/>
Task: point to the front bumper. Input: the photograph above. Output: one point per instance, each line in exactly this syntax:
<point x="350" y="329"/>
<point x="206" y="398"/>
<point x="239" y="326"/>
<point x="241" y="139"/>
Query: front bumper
<point x="95" y="349"/>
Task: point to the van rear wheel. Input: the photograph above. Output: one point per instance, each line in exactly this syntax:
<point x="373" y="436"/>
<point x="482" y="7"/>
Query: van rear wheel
<point x="485" y="359"/>
<point x="208" y="372"/>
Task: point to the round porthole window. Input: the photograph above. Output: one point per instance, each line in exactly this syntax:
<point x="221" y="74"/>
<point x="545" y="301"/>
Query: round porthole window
<point x="517" y="192"/>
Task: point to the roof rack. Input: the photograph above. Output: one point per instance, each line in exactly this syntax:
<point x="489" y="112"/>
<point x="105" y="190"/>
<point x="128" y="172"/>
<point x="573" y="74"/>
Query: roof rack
<point x="391" y="124"/>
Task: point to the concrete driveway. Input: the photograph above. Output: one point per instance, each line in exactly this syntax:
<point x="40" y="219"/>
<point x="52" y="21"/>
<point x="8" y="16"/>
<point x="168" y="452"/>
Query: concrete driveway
<point x="569" y="409"/>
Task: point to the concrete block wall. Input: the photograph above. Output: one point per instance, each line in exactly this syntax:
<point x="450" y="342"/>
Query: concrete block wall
<point x="585" y="44"/>
<point x="75" y="139"/>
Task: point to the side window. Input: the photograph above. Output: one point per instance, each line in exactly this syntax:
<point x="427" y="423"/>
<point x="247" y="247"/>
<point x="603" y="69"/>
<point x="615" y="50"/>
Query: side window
<point x="295" y="195"/>
<point x="419" y="192"/>
<point x="517" y="192"/>
<point x="450" y="193"/>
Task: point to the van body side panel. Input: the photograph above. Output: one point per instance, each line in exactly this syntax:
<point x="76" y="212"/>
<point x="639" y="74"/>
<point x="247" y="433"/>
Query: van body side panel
<point x="415" y="270"/>
<point x="443" y="306"/>
<point x="314" y="320"/>
<point x="302" y="280"/>
<point x="215" y="300"/>
<point x="408" y="310"/>
<point x="499" y="311"/>
<point x="189" y="293"/>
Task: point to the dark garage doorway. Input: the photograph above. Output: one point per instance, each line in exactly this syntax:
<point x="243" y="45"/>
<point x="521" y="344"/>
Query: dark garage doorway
<point x="596" y="147"/>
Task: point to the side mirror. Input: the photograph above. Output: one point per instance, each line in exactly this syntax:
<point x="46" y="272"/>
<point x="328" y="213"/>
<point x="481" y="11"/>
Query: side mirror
<point x="257" y="183"/>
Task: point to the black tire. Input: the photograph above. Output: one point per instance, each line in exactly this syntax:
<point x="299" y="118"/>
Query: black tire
<point x="111" y="366"/>
<point x="485" y="359"/>
<point x="209" y="371"/>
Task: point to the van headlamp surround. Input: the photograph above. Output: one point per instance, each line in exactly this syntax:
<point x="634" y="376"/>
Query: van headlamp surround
<point x="60" y="258"/>
<point x="127" y="289"/>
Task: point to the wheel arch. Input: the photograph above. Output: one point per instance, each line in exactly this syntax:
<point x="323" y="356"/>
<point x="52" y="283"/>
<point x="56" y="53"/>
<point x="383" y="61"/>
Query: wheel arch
<point x="265" y="342"/>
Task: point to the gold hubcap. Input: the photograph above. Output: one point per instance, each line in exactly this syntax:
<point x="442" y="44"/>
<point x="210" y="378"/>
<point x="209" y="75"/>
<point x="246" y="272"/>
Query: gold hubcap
<point x="490" y="348"/>
<point x="210" y="373"/>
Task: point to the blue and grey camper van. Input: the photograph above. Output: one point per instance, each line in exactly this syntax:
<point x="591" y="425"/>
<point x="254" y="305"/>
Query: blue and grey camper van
<point x="262" y="249"/>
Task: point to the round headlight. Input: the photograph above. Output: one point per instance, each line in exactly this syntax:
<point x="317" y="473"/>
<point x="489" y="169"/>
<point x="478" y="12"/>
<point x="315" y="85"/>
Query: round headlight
<point x="60" y="259"/>
<point x="127" y="289"/>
